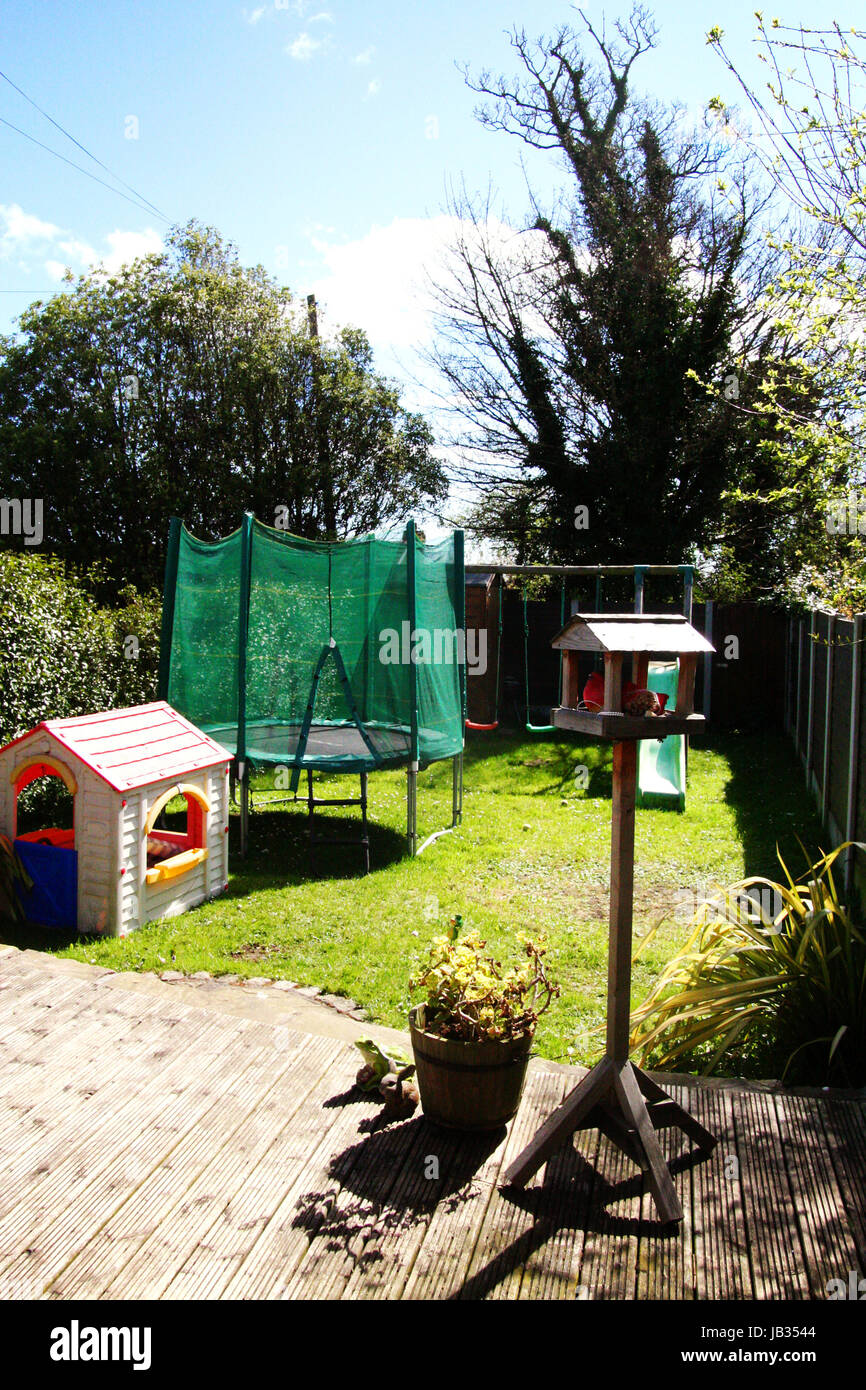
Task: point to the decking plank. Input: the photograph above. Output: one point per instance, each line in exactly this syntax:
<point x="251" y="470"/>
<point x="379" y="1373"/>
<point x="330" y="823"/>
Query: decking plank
<point x="845" y="1129"/>
<point x="511" y="1228"/>
<point x="324" y="1147"/>
<point x="105" y="1263"/>
<point x="230" y="1202"/>
<point x="775" y="1248"/>
<point x="721" y="1253"/>
<point x="151" y="1147"/>
<point x="827" y="1239"/>
<point x="85" y="1183"/>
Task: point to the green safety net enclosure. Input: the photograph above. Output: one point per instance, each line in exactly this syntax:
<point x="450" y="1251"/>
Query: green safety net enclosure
<point x="297" y="652"/>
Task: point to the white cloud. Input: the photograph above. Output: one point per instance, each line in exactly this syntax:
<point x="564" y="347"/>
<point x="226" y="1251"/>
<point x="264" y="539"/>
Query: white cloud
<point x="303" y="47"/>
<point x="128" y="246"/>
<point x="36" y="243"/>
<point x="253" y="16"/>
<point x="381" y="284"/>
<point x="79" y="251"/>
<point x="323" y="17"/>
<point x="364" y="57"/>
<point x="21" y="230"/>
<point x="378" y="281"/>
<point x="374" y="87"/>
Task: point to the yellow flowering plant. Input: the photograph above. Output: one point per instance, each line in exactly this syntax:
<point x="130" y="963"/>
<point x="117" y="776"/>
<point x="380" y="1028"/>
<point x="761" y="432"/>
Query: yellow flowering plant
<point x="470" y="996"/>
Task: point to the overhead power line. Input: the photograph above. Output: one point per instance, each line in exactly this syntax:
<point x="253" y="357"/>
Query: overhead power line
<point x="142" y="207"/>
<point x="83" y="148"/>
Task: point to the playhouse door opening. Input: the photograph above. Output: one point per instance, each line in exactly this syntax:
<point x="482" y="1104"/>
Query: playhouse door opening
<point x="45" y="843"/>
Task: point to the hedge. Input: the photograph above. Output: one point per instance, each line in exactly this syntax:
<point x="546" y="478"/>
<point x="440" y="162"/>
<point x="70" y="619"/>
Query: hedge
<point x="63" y="654"/>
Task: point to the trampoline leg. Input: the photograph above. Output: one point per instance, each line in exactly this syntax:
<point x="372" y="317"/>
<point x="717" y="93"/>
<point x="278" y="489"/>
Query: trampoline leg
<point x="457" y="789"/>
<point x="412" y="809"/>
<point x="365" y="834"/>
<point x="243" y="771"/>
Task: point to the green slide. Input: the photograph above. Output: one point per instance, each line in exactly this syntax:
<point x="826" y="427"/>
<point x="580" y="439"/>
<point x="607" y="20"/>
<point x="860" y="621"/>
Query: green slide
<point x="662" y="766"/>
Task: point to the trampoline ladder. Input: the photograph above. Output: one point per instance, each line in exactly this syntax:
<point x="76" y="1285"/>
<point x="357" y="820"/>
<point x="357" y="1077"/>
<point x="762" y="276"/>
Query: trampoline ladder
<point x="363" y="840"/>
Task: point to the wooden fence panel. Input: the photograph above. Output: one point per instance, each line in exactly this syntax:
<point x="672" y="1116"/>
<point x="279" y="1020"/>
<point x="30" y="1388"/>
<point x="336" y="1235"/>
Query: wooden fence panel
<point x="818" y="666"/>
<point x="840" y="725"/>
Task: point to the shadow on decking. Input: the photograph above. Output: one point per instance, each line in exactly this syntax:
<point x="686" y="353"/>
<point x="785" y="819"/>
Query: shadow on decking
<point x="381" y="1190"/>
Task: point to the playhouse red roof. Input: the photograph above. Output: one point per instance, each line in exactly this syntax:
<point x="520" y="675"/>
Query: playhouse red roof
<point x="130" y="748"/>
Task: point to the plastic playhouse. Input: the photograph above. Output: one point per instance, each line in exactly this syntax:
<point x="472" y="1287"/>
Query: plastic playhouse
<point x="117" y="868"/>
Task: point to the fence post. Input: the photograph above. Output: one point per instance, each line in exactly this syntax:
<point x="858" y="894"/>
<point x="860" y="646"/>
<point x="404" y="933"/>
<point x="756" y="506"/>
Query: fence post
<point x="708" y="659"/>
<point x="798" y="712"/>
<point x="786" y="712"/>
<point x="813" y="628"/>
<point x="853" y="750"/>
<point x="828" y="697"/>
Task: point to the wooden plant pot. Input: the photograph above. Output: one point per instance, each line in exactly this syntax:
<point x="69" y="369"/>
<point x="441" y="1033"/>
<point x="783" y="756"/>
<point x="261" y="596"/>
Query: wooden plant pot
<point x="464" y="1085"/>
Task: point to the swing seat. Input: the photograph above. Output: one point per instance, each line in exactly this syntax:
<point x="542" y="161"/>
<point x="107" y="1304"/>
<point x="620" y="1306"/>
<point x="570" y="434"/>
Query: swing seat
<point x="482" y="728"/>
<point x="532" y="728"/>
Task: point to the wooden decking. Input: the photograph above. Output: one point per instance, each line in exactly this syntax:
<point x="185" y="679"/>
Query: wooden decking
<point x="150" y="1148"/>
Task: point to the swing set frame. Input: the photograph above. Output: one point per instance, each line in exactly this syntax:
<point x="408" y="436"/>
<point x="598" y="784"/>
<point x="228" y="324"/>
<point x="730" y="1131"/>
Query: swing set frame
<point x="564" y="573"/>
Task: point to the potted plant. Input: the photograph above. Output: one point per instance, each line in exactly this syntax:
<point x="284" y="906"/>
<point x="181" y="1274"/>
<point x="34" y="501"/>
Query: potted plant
<point x="472" y="1033"/>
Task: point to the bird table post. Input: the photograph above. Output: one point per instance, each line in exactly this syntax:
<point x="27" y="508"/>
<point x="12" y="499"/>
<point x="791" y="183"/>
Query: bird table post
<point x="625" y="1104"/>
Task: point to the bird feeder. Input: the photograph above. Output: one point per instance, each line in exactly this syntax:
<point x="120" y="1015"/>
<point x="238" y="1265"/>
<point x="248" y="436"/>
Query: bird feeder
<point x="616" y="1097"/>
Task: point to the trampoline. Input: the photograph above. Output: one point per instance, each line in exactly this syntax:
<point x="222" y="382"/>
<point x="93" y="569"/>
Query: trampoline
<point x="329" y="747"/>
<point x="343" y="657"/>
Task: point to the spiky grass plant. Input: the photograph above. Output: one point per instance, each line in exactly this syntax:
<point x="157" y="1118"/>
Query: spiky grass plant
<point x="776" y="970"/>
<point x="12" y="872"/>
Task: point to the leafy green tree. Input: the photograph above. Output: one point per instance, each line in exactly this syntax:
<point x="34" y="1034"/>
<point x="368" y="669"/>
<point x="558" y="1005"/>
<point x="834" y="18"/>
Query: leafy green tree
<point x="187" y="384"/>
<point x="574" y="352"/>
<point x="808" y="130"/>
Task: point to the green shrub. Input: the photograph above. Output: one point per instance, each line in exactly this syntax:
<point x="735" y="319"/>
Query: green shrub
<point x="788" y="989"/>
<point x="61" y="653"/>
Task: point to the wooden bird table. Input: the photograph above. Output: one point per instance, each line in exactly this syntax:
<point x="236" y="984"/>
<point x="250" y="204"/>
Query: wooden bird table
<point x="616" y="1097"/>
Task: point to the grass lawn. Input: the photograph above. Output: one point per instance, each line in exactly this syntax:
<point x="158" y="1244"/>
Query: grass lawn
<point x="532" y="853"/>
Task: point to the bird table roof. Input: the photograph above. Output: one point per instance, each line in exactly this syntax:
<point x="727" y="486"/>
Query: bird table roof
<point x="130" y="748"/>
<point x="631" y="632"/>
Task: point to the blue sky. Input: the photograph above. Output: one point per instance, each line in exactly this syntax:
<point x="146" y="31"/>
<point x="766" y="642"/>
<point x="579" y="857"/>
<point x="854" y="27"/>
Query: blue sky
<point x="318" y="135"/>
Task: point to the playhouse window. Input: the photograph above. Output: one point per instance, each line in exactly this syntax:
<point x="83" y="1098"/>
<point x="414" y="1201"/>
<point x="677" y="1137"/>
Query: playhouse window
<point x="174" y="847"/>
<point x="45" y="806"/>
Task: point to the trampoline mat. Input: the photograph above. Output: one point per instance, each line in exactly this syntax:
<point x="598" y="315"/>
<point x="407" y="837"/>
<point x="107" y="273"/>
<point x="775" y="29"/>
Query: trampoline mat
<point x="329" y="746"/>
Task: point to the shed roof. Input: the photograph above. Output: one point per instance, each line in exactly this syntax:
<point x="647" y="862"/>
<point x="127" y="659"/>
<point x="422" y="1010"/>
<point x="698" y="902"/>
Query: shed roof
<point x="131" y="748"/>
<point x="631" y="632"/>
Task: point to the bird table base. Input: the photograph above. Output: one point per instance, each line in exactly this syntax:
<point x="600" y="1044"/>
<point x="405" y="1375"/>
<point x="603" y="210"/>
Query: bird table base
<point x="627" y="1106"/>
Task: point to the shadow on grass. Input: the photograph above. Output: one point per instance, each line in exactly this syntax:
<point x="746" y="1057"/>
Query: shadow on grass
<point x="771" y="805"/>
<point x="28" y="936"/>
<point x="280" y="852"/>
